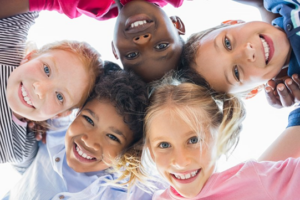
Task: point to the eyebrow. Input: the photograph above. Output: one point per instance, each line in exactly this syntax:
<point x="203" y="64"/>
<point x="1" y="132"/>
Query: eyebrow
<point x="118" y="132"/>
<point x="216" y="44"/>
<point x="92" y="113"/>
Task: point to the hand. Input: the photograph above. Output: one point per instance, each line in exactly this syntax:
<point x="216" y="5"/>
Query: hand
<point x="283" y="94"/>
<point x="39" y="130"/>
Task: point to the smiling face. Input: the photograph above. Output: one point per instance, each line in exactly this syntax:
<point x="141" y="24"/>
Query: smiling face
<point x="146" y="40"/>
<point x="184" y="161"/>
<point x="240" y="57"/>
<point x="47" y="85"/>
<point x="97" y="135"/>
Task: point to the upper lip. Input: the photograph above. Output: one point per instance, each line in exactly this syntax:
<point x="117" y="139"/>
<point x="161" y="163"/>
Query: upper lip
<point x="87" y="152"/>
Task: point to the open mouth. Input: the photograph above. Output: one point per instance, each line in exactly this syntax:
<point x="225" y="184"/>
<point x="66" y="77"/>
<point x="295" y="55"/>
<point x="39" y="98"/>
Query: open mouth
<point x="138" y="23"/>
<point x="24" y="96"/>
<point x="267" y="47"/>
<point x="186" y="177"/>
<point x="83" y="155"/>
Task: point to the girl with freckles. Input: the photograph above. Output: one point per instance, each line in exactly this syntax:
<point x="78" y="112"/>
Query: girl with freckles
<point x="38" y="85"/>
<point x="188" y="127"/>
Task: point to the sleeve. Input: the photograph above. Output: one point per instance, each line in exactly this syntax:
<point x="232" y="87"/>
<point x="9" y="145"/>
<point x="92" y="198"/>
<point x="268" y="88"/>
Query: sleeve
<point x="294" y="118"/>
<point x="100" y="10"/>
<point x="17" y="146"/>
<point x="281" y="179"/>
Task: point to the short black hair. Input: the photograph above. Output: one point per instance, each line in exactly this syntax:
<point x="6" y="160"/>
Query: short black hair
<point x="128" y="93"/>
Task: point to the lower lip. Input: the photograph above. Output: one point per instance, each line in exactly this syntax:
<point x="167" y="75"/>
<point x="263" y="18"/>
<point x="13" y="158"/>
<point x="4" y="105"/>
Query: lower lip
<point x="22" y="98"/>
<point x="271" y="46"/>
<point x="78" y="157"/>
<point x="185" y="181"/>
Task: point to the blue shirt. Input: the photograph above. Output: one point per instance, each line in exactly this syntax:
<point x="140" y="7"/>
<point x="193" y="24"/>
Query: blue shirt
<point x="49" y="177"/>
<point x="290" y="23"/>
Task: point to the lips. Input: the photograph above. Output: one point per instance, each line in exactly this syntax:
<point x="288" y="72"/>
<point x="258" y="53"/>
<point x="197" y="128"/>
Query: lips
<point x="268" y="47"/>
<point x="186" y="177"/>
<point x="83" y="155"/>
<point x="138" y="23"/>
<point x="24" y="96"/>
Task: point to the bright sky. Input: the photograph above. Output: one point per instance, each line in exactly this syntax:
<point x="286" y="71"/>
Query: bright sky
<point x="263" y="123"/>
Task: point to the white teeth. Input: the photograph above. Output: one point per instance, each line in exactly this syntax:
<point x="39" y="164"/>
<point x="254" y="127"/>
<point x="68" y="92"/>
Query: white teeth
<point x="186" y="176"/>
<point x="83" y="154"/>
<point x="266" y="48"/>
<point x="26" y="98"/>
<point x="137" y="23"/>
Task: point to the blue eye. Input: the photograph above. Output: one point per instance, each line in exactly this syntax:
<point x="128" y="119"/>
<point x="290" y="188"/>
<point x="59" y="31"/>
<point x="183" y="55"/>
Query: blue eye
<point x="164" y="145"/>
<point x="236" y="73"/>
<point x="227" y="44"/>
<point x="132" y="55"/>
<point x="162" y="46"/>
<point x="89" y="120"/>
<point x="193" y="140"/>
<point x="112" y="137"/>
<point x="59" y="97"/>
<point x="47" y="70"/>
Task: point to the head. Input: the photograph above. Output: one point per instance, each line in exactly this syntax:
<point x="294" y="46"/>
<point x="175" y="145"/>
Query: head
<point x="187" y="128"/>
<point x="238" y="58"/>
<point x="53" y="79"/>
<point x="146" y="40"/>
<point x="110" y="123"/>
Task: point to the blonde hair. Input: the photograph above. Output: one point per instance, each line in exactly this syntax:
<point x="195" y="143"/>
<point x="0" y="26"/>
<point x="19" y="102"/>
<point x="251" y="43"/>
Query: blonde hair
<point x="89" y="57"/>
<point x="223" y="112"/>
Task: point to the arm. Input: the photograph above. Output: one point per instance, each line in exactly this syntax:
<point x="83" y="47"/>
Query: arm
<point x="13" y="7"/>
<point x="287" y="144"/>
<point x="265" y="15"/>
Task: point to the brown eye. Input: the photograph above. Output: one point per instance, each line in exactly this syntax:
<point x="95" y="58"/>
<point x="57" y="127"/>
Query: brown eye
<point x="132" y="55"/>
<point x="161" y="46"/>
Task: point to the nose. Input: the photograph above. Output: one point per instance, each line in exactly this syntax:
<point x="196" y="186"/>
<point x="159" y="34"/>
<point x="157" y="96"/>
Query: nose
<point x="41" y="88"/>
<point x="90" y="142"/>
<point x="249" y="52"/>
<point x="181" y="158"/>
<point x="142" y="39"/>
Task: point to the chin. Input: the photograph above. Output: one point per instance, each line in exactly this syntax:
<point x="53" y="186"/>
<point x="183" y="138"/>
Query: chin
<point x="189" y="194"/>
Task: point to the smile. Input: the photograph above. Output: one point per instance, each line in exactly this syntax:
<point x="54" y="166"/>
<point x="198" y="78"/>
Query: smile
<point x="25" y="99"/>
<point x="186" y="176"/>
<point x="138" y="23"/>
<point x="82" y="155"/>
<point x="267" y="48"/>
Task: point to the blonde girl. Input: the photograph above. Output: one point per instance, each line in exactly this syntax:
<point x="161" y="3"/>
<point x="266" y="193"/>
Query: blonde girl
<point x="39" y="85"/>
<point x="188" y="127"/>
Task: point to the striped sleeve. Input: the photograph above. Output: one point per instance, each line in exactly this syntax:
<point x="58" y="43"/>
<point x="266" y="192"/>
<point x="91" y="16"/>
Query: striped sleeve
<point x="16" y="144"/>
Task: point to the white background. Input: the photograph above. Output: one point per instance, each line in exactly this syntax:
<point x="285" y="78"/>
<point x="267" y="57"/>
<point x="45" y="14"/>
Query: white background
<point x="263" y="123"/>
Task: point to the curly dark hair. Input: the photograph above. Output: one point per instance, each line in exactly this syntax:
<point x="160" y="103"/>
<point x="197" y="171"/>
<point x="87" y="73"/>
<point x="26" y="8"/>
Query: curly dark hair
<point x="128" y="93"/>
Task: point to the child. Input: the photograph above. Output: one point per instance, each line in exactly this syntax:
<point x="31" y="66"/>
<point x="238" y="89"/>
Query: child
<point x="107" y="128"/>
<point x="187" y="128"/>
<point x="145" y="40"/>
<point x="40" y="85"/>
<point x="250" y="54"/>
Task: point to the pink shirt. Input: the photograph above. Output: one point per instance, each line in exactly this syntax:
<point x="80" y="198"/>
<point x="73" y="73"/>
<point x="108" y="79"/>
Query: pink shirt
<point x="249" y="181"/>
<point x="98" y="9"/>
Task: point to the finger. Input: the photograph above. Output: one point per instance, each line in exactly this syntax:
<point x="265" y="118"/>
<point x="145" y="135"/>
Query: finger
<point x="294" y="89"/>
<point x="271" y="98"/>
<point x="272" y="84"/>
<point x="44" y="139"/>
<point x="38" y="136"/>
<point x="286" y="98"/>
<point x="296" y="79"/>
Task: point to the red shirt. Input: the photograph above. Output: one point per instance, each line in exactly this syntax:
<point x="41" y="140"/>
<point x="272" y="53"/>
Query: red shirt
<point x="98" y="9"/>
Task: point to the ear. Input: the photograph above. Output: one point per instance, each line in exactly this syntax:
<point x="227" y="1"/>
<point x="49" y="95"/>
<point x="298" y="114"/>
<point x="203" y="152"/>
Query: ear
<point x="114" y="50"/>
<point x="27" y="57"/>
<point x="179" y="25"/>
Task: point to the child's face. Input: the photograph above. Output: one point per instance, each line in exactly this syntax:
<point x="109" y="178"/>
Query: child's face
<point x="240" y="57"/>
<point x="97" y="135"/>
<point x="175" y="149"/>
<point x="146" y="40"/>
<point x="47" y="85"/>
